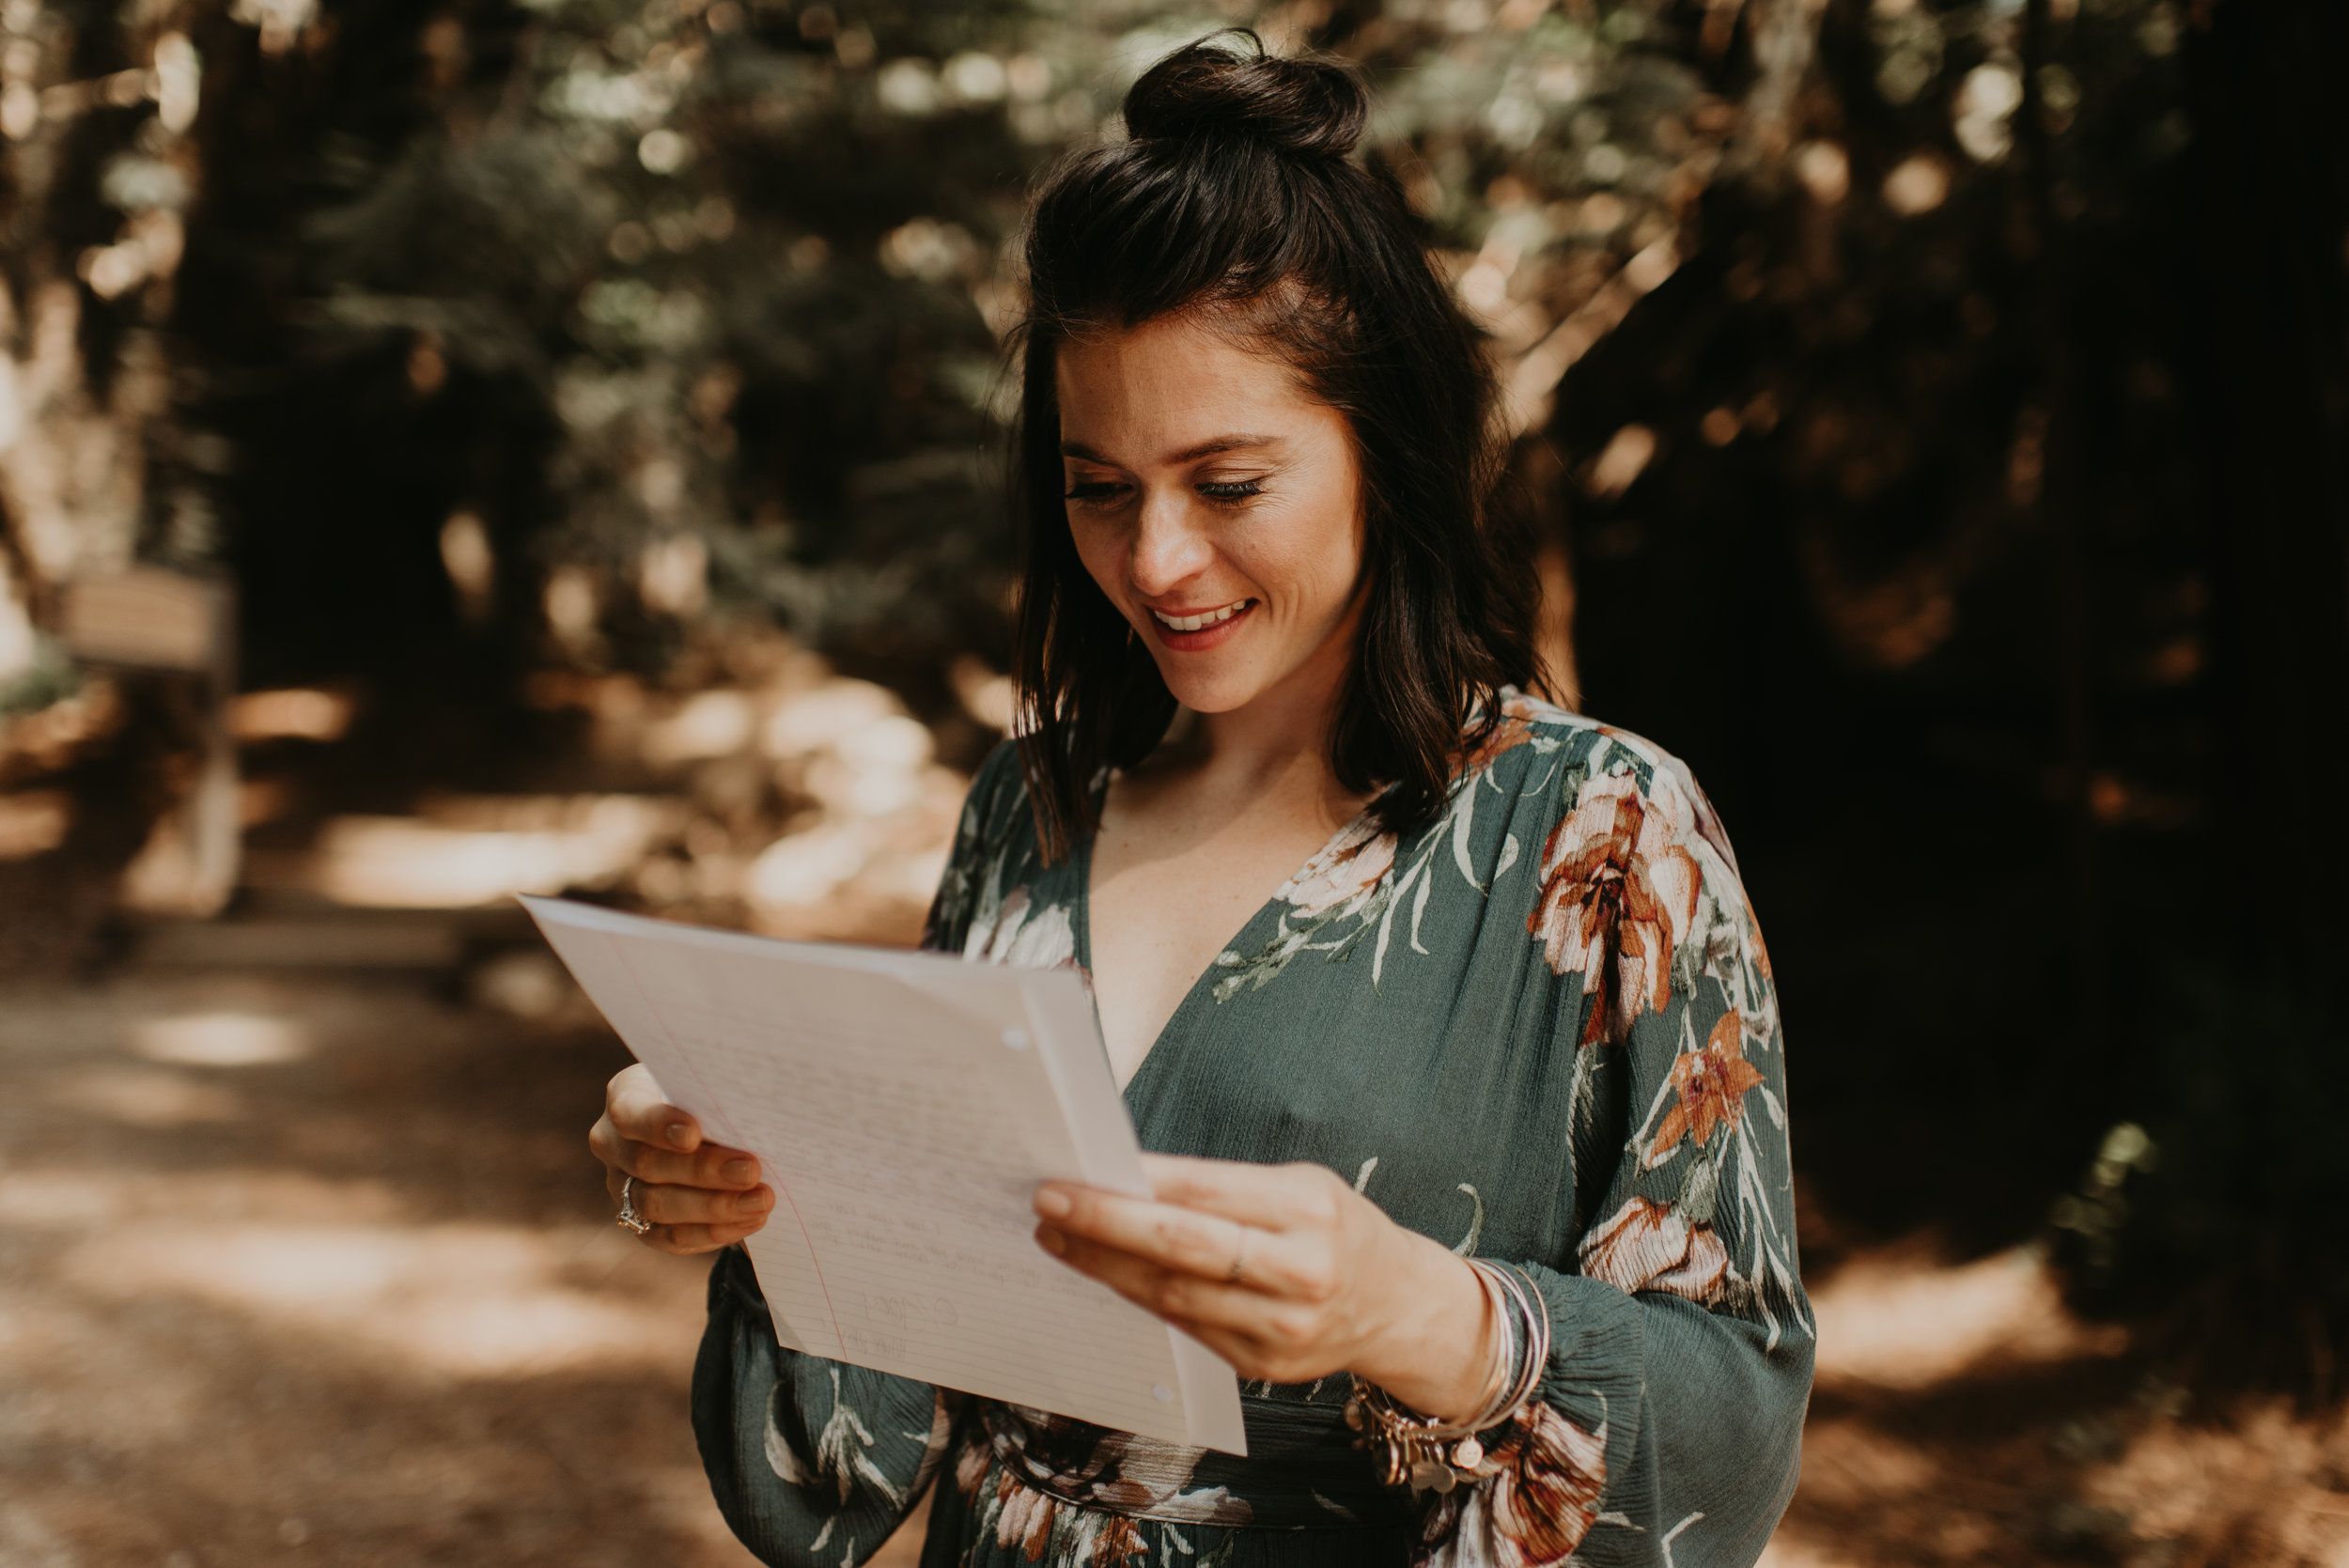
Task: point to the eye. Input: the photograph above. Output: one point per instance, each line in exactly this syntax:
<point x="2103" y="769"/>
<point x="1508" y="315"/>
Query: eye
<point x="1232" y="489"/>
<point x="1095" y="492"/>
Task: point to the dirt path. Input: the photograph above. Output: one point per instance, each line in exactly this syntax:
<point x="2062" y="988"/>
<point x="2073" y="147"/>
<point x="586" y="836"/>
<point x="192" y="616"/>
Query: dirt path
<point x="314" y="1270"/>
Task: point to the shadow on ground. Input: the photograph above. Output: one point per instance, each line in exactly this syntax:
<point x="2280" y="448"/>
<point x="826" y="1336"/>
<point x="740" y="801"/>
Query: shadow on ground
<point x="315" y="1269"/>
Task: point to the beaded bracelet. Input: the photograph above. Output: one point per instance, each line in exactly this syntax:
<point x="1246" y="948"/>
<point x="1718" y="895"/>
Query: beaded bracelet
<point x="1434" y="1455"/>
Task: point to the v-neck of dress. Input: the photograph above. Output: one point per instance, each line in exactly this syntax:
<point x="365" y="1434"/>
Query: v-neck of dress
<point x="1081" y="868"/>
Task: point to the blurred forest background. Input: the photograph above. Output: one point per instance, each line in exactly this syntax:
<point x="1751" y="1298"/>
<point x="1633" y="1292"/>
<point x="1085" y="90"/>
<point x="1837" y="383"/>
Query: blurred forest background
<point x="580" y="420"/>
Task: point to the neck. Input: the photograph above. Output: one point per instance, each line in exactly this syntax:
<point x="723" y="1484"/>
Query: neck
<point x="1279" y="742"/>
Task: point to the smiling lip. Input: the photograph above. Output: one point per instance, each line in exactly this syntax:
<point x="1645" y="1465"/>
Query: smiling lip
<point x="1198" y="630"/>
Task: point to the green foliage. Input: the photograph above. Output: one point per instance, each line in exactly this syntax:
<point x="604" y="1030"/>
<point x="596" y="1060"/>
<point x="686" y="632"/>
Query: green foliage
<point x="739" y="277"/>
<point x="1957" y="448"/>
<point x="51" y="678"/>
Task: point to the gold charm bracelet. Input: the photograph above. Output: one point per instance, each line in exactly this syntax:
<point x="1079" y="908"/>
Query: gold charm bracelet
<point x="1436" y="1456"/>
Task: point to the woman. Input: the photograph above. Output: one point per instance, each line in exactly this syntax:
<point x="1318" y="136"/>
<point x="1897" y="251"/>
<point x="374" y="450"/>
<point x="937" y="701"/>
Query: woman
<point x="1472" y="1152"/>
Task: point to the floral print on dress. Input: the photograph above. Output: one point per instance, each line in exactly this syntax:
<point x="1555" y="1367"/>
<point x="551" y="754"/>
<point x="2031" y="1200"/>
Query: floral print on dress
<point x="1040" y="1527"/>
<point x="1551" y="1004"/>
<point x="1536" y="1496"/>
<point x="1342" y="877"/>
<point x="1619" y="894"/>
<point x="1640" y="895"/>
<point x="1098" y="1468"/>
<point x="1350" y="891"/>
<point x="1652" y="1246"/>
<point x="842" y="1455"/>
<point x="1712" y="1084"/>
<point x="1024" y="935"/>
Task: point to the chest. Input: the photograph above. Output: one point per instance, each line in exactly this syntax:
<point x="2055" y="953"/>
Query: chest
<point x="1394" y="1016"/>
<point x="1382" y="1009"/>
<point x="1170" y="885"/>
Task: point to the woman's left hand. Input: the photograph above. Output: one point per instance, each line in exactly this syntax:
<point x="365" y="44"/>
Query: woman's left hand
<point x="1286" y="1272"/>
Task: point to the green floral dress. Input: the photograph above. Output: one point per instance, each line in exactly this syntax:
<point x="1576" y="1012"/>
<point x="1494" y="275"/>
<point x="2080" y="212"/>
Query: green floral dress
<point x="1541" y="1030"/>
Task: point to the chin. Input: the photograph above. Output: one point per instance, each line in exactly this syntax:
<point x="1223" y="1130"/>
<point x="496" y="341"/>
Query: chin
<point x="1204" y="692"/>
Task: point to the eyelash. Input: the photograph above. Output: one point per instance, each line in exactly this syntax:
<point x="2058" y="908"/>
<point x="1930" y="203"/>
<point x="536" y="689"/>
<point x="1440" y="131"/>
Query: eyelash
<point x="1227" y="491"/>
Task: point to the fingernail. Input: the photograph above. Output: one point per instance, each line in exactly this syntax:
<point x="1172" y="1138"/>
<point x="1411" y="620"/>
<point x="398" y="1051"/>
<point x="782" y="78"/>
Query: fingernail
<point x="681" y="1137"/>
<point x="758" y="1199"/>
<point x="1052" y="1241"/>
<point x="1051" y="1203"/>
<point x="737" y="1170"/>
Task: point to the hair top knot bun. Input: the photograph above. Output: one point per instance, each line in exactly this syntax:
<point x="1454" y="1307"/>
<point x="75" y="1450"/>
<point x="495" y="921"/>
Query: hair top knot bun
<point x="1301" y="108"/>
<point x="1234" y="198"/>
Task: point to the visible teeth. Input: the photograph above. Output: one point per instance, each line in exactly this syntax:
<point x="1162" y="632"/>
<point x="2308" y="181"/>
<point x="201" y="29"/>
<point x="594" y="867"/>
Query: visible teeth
<point x="1197" y="622"/>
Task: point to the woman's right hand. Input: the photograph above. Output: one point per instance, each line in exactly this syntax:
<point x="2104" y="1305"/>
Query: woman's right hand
<point x="699" y="1196"/>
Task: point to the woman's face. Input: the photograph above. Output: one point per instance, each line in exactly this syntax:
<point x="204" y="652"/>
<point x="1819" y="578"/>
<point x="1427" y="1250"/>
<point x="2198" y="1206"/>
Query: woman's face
<point x="1218" y="505"/>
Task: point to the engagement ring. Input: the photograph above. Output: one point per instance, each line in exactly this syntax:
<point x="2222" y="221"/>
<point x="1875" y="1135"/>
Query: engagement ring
<point x="630" y="1219"/>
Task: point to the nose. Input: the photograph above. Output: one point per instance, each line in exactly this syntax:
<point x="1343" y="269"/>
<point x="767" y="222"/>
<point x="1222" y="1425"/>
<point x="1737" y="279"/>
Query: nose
<point x="1167" y="545"/>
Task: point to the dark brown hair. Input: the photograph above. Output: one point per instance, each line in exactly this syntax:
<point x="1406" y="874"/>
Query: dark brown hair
<point x="1234" y="197"/>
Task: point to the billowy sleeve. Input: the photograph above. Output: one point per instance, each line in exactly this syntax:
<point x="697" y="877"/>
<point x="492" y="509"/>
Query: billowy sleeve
<point x="1667" y="1427"/>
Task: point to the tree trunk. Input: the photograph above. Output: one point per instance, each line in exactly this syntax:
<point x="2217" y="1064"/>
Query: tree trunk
<point x="2272" y="168"/>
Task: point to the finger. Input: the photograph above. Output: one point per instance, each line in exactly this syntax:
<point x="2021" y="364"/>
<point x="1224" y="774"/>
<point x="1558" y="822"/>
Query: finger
<point x="713" y="1165"/>
<point x="686" y="1240"/>
<point x="1171" y="1293"/>
<point x="1260" y="1336"/>
<point x="1248" y="1356"/>
<point x="1174" y="1237"/>
<point x="1166" y="1235"/>
<point x="694" y="1206"/>
<point x="639" y="1112"/>
<point x="1273" y="1196"/>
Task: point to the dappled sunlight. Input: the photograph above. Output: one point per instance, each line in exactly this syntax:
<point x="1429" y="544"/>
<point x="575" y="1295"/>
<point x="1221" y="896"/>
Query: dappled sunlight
<point x="1901" y="1320"/>
<point x="59" y="1200"/>
<point x="145" y="1097"/>
<point x="707" y="725"/>
<point x="1847" y="1464"/>
<point x="408" y="862"/>
<point x="318" y="1270"/>
<point x="1898" y="389"/>
<point x="1963" y="1415"/>
<point x="814" y="803"/>
<point x="464" y="1301"/>
<point x="792" y="799"/>
<point x="348" y="1262"/>
<point x="2179" y="1478"/>
<point x="223" y="1039"/>
<point x="1902" y="1324"/>
<point x="294" y="713"/>
<point x="33" y="822"/>
<point x="1786" y="1550"/>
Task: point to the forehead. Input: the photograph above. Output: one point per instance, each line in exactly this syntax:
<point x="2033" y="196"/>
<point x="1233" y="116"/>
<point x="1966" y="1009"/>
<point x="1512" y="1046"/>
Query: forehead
<point x="1171" y="383"/>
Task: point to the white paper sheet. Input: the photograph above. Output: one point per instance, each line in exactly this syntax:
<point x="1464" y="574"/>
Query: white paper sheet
<point x="904" y="1105"/>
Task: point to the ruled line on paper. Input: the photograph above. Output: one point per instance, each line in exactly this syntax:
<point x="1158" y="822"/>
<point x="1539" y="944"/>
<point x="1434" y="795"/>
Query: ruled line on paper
<point x="731" y="1138"/>
<point x="905" y="1106"/>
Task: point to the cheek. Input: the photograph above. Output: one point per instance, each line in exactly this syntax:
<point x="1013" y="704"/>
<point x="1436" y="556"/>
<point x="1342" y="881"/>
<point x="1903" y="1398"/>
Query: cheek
<point x="1318" y="556"/>
<point x="1100" y="552"/>
<point x="1323" y="542"/>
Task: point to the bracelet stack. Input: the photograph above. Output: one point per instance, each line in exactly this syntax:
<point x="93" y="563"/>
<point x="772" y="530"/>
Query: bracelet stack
<point x="1436" y="1456"/>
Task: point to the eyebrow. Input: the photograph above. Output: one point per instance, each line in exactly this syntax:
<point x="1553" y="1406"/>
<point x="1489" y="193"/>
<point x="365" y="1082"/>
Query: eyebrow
<point x="1235" y="442"/>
